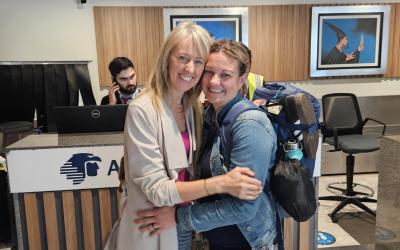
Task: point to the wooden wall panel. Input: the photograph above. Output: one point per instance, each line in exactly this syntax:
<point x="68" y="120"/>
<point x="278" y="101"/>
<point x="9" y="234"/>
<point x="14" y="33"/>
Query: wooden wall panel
<point x="134" y="32"/>
<point x="105" y="215"/>
<point x="32" y="221"/>
<point x="288" y="227"/>
<point x="279" y="39"/>
<point x="87" y="219"/>
<point x="279" y="36"/>
<point x="51" y="220"/>
<point x="52" y="224"/>
<point x="394" y="43"/>
<point x="301" y="43"/>
<point x="304" y="235"/>
<point x="69" y="220"/>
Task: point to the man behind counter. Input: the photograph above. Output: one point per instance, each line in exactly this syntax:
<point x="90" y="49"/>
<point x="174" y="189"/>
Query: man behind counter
<point x="124" y="86"/>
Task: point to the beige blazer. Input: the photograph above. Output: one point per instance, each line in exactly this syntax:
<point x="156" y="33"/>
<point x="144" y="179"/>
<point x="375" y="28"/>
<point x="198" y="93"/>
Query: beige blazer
<point x="154" y="153"/>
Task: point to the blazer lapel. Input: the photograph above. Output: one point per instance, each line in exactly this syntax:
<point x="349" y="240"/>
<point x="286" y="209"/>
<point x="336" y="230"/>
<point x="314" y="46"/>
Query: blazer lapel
<point x="189" y="116"/>
<point x="174" y="149"/>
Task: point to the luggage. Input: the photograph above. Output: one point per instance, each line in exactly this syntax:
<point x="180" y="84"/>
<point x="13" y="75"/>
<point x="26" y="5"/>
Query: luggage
<point x="291" y="181"/>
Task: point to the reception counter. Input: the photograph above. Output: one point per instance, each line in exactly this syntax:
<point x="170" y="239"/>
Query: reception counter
<point x="64" y="189"/>
<point x="65" y="192"/>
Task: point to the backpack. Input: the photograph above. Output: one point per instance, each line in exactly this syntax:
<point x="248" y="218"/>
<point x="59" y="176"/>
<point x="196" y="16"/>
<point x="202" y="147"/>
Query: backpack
<point x="291" y="180"/>
<point x="283" y="123"/>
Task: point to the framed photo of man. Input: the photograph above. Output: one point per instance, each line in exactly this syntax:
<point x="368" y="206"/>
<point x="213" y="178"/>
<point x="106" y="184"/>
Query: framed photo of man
<point x="222" y="23"/>
<point x="349" y="40"/>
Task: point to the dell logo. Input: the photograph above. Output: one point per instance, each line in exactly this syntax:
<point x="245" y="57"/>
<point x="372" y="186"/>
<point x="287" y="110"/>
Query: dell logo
<point x="95" y="113"/>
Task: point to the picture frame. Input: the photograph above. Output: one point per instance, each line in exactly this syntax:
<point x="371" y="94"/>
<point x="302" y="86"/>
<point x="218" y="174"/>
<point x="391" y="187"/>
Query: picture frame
<point x="349" y="40"/>
<point x="222" y="23"/>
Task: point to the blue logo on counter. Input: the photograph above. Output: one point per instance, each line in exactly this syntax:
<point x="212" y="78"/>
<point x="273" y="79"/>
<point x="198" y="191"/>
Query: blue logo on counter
<point x="79" y="166"/>
<point x="325" y="238"/>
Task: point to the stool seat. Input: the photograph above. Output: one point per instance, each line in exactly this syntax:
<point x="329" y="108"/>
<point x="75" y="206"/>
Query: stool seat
<point x="353" y="144"/>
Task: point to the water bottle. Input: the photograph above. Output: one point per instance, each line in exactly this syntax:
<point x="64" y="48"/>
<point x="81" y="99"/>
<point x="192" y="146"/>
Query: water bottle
<point x="293" y="150"/>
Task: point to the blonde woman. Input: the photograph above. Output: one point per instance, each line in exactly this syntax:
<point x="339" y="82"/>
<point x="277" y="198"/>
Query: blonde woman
<point x="161" y="129"/>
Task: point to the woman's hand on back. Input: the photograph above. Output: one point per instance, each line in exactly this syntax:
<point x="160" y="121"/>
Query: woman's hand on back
<point x="156" y="220"/>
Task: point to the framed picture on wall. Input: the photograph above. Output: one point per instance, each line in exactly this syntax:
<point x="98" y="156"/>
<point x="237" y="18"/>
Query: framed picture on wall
<point x="349" y="40"/>
<point x="222" y="23"/>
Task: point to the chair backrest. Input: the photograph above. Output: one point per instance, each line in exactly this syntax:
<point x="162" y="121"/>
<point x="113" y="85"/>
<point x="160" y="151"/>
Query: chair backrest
<point x="341" y="110"/>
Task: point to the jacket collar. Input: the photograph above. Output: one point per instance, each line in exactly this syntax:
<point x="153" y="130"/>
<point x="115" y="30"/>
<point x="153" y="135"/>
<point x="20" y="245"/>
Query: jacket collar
<point x="210" y="115"/>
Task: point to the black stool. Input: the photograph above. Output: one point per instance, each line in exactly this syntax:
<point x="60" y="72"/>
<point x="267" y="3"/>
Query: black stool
<point x="342" y="128"/>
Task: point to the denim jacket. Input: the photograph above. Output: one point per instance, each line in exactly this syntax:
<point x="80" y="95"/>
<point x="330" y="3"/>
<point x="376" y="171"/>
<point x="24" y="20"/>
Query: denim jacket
<point x="254" y="146"/>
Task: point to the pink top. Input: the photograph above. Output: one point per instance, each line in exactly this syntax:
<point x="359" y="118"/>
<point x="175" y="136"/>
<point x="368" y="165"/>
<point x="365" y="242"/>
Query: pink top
<point x="182" y="175"/>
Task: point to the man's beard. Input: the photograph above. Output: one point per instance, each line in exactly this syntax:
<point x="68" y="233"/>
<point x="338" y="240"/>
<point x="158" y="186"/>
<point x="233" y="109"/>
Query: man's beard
<point x="130" y="90"/>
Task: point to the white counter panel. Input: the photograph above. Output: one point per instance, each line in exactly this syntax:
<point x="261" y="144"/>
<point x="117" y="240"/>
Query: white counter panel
<point x="38" y="170"/>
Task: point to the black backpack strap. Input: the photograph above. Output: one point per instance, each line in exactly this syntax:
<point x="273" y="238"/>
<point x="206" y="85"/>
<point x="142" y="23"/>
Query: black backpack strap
<point x="225" y="129"/>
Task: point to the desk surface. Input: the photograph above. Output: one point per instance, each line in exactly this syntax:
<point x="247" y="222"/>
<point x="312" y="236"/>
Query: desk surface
<point x="67" y="140"/>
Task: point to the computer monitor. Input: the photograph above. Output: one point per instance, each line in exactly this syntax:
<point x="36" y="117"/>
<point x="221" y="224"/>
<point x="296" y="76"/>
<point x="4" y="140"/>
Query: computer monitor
<point x="89" y="119"/>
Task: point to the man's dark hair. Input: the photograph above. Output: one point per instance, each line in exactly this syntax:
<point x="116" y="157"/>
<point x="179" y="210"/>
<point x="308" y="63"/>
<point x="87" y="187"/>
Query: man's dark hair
<point x="118" y="64"/>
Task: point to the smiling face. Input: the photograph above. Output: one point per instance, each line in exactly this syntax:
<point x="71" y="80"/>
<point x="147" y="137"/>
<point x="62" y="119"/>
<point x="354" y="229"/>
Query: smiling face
<point x="185" y="66"/>
<point x="221" y="80"/>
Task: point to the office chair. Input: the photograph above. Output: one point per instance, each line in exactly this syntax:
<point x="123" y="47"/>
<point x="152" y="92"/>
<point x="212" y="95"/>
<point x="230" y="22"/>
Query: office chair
<point x="342" y="128"/>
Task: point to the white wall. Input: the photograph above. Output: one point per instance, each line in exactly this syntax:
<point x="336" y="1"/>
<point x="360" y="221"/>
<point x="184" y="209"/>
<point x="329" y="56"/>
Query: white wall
<point x="64" y="30"/>
<point x="48" y="30"/>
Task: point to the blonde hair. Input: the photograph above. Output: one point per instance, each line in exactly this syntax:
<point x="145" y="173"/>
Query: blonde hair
<point x="158" y="83"/>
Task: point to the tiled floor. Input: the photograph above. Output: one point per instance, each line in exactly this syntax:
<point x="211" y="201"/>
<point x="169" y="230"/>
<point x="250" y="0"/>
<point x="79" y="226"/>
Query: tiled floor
<point x="324" y="222"/>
